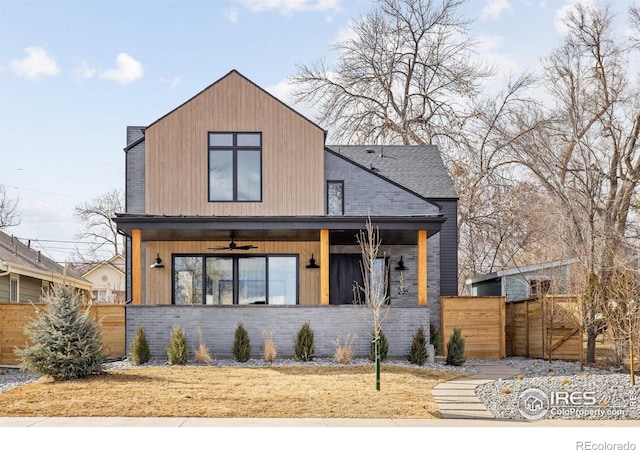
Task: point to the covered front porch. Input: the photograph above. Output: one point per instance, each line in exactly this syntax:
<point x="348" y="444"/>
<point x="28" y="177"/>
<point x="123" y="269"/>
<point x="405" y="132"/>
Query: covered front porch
<point x="197" y="252"/>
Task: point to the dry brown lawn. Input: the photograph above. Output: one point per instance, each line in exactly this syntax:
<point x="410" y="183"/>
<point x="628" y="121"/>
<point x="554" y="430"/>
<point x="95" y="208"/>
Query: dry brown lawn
<point x="201" y="391"/>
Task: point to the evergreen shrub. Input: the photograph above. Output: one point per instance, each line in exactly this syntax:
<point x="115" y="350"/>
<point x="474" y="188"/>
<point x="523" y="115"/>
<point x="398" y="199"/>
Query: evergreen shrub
<point x="418" y="351"/>
<point x="66" y="340"/>
<point x="178" y="351"/>
<point x="140" y="352"/>
<point x="455" y="349"/>
<point x="304" y="349"/>
<point x="241" y="346"/>
<point x="383" y="346"/>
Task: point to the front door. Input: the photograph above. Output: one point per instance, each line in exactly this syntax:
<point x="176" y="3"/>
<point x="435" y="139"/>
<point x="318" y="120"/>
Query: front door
<point x="344" y="273"/>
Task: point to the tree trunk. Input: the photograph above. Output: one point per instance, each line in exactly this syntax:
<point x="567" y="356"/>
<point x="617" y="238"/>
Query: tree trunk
<point x="592" y="333"/>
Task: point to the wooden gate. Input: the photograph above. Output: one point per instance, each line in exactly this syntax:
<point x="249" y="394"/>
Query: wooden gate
<point x="544" y="328"/>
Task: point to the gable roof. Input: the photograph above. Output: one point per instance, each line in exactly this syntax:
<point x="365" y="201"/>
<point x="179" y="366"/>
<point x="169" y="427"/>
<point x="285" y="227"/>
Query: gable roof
<point x="111" y="264"/>
<point x="417" y="168"/>
<point x="236" y="73"/>
<point x="16" y="257"/>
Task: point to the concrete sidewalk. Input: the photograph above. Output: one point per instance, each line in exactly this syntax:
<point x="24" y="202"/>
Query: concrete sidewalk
<point x="185" y="422"/>
<point x="457" y="398"/>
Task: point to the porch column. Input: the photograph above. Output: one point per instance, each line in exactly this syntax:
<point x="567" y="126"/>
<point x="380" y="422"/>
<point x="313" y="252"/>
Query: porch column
<point x="422" y="267"/>
<point x="136" y="266"/>
<point x="324" y="267"/>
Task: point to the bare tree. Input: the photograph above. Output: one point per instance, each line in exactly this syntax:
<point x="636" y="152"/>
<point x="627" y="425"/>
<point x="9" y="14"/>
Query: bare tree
<point x="587" y="157"/>
<point x="9" y="216"/>
<point x="404" y="78"/>
<point x="374" y="286"/>
<point x="96" y="217"/>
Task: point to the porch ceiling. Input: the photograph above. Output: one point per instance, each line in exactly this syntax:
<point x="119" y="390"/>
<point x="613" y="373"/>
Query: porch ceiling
<point x="393" y="230"/>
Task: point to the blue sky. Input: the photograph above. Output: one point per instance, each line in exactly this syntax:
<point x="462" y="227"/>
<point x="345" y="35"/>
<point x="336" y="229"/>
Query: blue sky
<point x="74" y="74"/>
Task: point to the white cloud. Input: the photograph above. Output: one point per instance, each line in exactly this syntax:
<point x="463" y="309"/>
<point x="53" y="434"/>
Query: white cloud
<point x="36" y="64"/>
<point x="283" y="91"/>
<point x="290" y="6"/>
<point x="175" y="81"/>
<point x="561" y="14"/>
<point x="493" y="9"/>
<point x="231" y="14"/>
<point x="127" y="70"/>
<point x="84" y="71"/>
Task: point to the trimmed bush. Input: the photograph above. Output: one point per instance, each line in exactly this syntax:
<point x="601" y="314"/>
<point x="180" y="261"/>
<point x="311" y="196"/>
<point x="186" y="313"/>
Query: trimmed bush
<point x="241" y="345"/>
<point x="178" y="351"/>
<point x="455" y="348"/>
<point x="384" y="348"/>
<point x="418" y="351"/>
<point x="140" y="352"/>
<point x="304" y="349"/>
<point x="66" y="339"/>
<point x="434" y="338"/>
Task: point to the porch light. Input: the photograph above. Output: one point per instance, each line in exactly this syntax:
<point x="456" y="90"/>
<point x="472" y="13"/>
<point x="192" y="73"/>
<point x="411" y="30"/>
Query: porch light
<point x="312" y="263"/>
<point x="158" y="264"/>
<point x="401" y="265"/>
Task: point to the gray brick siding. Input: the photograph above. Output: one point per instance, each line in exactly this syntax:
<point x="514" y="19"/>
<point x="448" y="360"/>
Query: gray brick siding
<point x="218" y="324"/>
<point x="135" y="178"/>
<point x="365" y="193"/>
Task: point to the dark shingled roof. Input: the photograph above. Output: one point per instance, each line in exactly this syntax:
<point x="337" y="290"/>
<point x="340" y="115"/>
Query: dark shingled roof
<point x="418" y="168"/>
<point x="14" y="251"/>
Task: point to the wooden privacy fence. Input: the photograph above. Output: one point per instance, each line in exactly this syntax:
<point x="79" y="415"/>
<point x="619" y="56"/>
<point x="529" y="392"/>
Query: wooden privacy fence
<point x="15" y="316"/>
<point x="482" y="323"/>
<point x="544" y="328"/>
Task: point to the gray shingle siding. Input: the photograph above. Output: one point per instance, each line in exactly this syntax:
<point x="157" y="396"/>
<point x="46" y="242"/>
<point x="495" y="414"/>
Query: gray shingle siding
<point x="134" y="133"/>
<point x="365" y="193"/>
<point x="449" y="249"/>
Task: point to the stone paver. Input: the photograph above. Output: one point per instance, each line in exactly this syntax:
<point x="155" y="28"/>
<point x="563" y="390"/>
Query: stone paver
<point x="457" y="398"/>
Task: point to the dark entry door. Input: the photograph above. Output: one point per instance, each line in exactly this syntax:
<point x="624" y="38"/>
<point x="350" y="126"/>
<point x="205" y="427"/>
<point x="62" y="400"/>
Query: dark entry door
<point x="344" y="272"/>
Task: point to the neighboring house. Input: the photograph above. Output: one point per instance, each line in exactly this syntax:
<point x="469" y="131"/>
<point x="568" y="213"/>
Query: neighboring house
<point x="108" y="280"/>
<point x="526" y="282"/>
<point x="25" y="274"/>
<point x="236" y="210"/>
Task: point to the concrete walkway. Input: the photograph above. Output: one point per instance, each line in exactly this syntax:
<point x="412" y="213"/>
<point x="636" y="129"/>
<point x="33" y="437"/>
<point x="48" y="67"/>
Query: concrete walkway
<point x="457" y="398"/>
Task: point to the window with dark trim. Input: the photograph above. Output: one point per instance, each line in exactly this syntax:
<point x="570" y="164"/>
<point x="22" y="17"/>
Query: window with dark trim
<point x="235" y="279"/>
<point x="335" y="198"/>
<point x="235" y="167"/>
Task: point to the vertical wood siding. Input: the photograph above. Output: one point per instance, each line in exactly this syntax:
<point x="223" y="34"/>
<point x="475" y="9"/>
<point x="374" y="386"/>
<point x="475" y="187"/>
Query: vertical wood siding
<point x="176" y="154"/>
<point x="158" y="281"/>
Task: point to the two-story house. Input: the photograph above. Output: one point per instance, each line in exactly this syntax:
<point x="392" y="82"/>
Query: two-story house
<point x="238" y="211"/>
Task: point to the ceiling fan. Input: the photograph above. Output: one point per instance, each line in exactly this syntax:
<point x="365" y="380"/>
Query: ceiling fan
<point x="233" y="246"/>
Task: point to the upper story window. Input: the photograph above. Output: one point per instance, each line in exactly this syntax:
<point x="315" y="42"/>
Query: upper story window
<point x="235" y="167"/>
<point x="335" y="198"/>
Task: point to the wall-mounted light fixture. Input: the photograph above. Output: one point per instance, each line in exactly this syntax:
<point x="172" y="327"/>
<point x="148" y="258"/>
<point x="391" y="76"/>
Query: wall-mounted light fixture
<point x="312" y="263"/>
<point x="158" y="264"/>
<point x="401" y="265"/>
<point x="401" y="268"/>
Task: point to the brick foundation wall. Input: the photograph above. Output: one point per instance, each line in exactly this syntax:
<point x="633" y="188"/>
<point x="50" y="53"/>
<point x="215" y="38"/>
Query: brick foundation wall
<point x="327" y="322"/>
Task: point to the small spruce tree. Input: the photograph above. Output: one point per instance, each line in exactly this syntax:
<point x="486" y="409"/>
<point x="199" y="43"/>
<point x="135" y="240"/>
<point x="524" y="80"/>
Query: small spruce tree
<point x="384" y="348"/>
<point x="455" y="348"/>
<point x="241" y="345"/>
<point x="304" y="349"/>
<point x="178" y="351"/>
<point x="140" y="353"/>
<point x="66" y="340"/>
<point x="434" y="338"/>
<point x="418" y="350"/>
